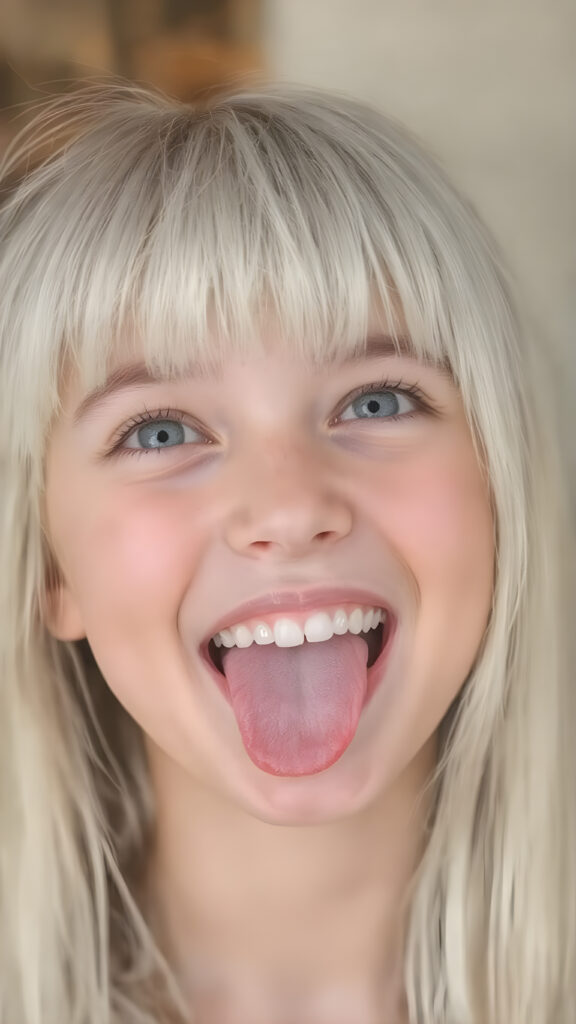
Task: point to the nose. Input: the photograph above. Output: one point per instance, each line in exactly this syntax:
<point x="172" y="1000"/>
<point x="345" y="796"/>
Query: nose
<point x="287" y="507"/>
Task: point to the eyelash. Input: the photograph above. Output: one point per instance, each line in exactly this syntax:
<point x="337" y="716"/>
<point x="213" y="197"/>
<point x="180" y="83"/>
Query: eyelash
<point x="411" y="390"/>
<point x="142" y="418"/>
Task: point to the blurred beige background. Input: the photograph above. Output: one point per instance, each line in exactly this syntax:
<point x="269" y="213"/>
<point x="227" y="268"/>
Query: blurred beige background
<point x="490" y="85"/>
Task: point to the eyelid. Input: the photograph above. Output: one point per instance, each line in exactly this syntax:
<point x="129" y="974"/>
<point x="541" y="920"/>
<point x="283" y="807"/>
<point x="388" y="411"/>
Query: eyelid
<point x="422" y="400"/>
<point x="151" y="416"/>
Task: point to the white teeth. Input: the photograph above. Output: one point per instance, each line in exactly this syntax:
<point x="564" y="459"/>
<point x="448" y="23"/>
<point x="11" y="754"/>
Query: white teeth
<point x="340" y="622"/>
<point x="227" y="638"/>
<point x="288" y="633"/>
<point x="318" y="627"/>
<point x="242" y="636"/>
<point x="263" y="634"/>
<point x="356" y="621"/>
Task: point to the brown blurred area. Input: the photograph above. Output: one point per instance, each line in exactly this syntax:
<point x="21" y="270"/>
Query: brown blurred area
<point x="184" y="47"/>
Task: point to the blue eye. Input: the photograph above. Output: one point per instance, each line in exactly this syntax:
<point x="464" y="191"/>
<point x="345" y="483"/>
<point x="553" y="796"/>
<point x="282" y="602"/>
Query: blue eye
<point x="153" y="432"/>
<point x="385" y="403"/>
<point x="161" y="434"/>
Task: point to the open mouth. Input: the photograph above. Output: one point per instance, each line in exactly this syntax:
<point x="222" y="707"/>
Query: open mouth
<point x="298" y="706"/>
<point x="376" y="640"/>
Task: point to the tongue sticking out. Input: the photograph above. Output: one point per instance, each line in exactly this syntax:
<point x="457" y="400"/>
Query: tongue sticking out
<point x="298" y="708"/>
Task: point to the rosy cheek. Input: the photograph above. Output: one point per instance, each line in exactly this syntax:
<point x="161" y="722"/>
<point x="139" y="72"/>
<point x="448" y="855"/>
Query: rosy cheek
<point x="436" y="513"/>
<point x="152" y="539"/>
<point x="126" y="551"/>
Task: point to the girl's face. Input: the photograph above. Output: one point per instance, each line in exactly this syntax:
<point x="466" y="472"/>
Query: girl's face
<point x="307" y="491"/>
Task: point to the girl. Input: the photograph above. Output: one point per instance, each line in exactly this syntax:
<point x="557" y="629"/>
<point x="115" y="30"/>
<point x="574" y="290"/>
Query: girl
<point x="285" y="707"/>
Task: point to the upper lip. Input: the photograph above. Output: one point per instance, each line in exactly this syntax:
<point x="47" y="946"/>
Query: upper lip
<point x="296" y="600"/>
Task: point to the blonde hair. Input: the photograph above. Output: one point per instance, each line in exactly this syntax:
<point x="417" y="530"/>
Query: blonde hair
<point x="126" y="214"/>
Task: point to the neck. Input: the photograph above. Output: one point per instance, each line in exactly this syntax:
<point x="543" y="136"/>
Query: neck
<point x="243" y="906"/>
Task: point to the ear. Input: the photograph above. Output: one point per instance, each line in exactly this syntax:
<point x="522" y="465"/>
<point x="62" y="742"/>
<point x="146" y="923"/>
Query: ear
<point x="61" y="614"/>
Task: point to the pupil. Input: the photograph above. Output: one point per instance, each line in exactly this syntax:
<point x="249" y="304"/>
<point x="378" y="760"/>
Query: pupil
<point x="162" y="436"/>
<point x="373" y="406"/>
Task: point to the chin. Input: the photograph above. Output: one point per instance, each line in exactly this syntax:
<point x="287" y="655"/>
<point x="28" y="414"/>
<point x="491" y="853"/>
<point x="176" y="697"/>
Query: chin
<point x="344" y="789"/>
<point x="362" y="778"/>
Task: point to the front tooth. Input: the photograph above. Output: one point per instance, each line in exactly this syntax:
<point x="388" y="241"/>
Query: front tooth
<point x="375" y="617"/>
<point x="340" y="622"/>
<point x="318" y="627"/>
<point x="263" y="634"/>
<point x="288" y="633"/>
<point x="227" y="638"/>
<point x="242" y="636"/>
<point x="356" y="621"/>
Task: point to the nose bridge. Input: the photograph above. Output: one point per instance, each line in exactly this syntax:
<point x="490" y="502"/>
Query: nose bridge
<point x="286" y="498"/>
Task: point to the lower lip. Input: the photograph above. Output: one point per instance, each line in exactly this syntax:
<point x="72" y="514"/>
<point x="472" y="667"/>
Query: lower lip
<point x="375" y="672"/>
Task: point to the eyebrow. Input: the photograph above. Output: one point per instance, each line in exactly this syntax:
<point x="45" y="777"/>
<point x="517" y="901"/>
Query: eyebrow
<point x="135" y="375"/>
<point x="130" y="376"/>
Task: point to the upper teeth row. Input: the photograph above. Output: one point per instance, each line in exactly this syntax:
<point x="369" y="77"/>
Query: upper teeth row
<point x="288" y="633"/>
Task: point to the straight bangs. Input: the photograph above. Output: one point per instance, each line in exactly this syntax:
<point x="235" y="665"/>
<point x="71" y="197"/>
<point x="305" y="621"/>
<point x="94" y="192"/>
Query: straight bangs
<point x="185" y="235"/>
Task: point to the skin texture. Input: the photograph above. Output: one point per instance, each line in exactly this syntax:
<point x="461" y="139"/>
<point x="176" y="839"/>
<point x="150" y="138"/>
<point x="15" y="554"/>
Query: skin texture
<point x="302" y="922"/>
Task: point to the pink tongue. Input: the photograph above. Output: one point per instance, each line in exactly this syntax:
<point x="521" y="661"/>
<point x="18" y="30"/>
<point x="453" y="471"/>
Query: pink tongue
<point x="297" y="708"/>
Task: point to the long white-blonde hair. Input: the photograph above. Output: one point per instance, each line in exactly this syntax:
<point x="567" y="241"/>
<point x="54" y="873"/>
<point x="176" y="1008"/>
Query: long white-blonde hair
<point x="123" y="213"/>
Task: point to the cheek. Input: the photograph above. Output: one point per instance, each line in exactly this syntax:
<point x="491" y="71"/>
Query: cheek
<point x="143" y="539"/>
<point x="129" y="560"/>
<point x="447" y="524"/>
<point x="436" y="513"/>
<point x="126" y="553"/>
